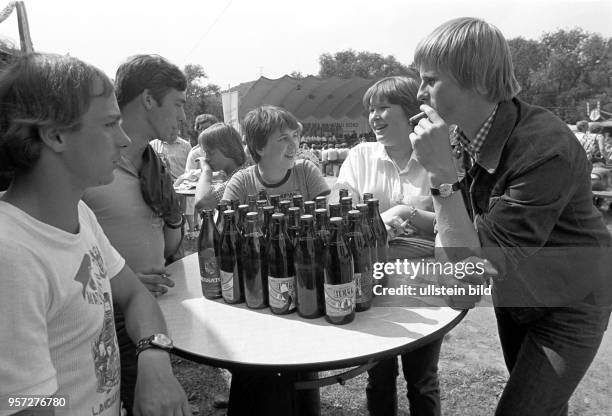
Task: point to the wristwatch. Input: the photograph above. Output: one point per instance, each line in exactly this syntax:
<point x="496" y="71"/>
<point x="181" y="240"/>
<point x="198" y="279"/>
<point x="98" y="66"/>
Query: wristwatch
<point x="159" y="341"/>
<point x="445" y="190"/>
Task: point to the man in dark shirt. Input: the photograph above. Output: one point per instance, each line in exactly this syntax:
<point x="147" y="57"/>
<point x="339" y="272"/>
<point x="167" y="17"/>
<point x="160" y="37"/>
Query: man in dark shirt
<point x="528" y="213"/>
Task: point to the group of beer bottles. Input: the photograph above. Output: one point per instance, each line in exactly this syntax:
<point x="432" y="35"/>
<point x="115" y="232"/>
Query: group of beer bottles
<point x="289" y="255"/>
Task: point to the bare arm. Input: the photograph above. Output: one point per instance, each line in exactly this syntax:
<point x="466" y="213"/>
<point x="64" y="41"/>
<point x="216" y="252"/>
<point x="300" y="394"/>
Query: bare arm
<point x="157" y="390"/>
<point x="205" y="196"/>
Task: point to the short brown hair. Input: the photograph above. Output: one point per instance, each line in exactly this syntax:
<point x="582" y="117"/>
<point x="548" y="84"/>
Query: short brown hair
<point x="261" y="122"/>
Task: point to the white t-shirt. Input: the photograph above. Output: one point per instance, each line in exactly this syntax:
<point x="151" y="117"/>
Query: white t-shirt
<point x="304" y="178"/>
<point x="58" y="333"/>
<point x="368" y="168"/>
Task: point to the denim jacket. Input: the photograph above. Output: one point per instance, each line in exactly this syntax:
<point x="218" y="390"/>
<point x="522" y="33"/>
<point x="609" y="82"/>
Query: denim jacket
<point x="531" y="201"/>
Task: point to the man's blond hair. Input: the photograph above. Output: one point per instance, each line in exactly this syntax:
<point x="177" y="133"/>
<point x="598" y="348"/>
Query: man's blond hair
<point x="475" y="54"/>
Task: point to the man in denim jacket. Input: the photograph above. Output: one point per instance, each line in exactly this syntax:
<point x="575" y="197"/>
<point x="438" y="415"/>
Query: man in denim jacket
<point x="527" y="212"/>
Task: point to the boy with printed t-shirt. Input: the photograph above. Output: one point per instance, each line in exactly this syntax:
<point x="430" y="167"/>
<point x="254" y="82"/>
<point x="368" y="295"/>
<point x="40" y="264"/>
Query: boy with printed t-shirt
<point x="272" y="139"/>
<point x="60" y="134"/>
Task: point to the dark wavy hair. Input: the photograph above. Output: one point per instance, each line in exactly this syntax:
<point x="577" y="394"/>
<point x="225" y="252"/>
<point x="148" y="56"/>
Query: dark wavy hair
<point x="147" y="72"/>
<point x="42" y="90"/>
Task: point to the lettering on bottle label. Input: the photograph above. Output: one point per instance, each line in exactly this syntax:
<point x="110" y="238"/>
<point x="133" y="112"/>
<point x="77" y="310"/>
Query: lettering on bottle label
<point x="281" y="292"/>
<point x="363" y="286"/>
<point x="227" y="285"/>
<point x="209" y="270"/>
<point x="339" y="299"/>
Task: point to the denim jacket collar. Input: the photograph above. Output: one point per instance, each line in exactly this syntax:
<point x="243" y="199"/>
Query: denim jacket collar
<point x="503" y="124"/>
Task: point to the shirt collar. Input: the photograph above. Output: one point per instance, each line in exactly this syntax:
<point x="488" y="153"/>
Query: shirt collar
<point x="501" y="129"/>
<point x="473" y="146"/>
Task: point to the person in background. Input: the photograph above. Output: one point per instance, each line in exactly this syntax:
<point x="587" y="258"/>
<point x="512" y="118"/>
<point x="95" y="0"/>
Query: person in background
<point x="173" y="153"/>
<point x="60" y="278"/>
<point x="202" y="122"/>
<point x="388" y="169"/>
<point x="324" y="159"/>
<point x="139" y="210"/>
<point x="222" y="146"/>
<point x="272" y="139"/>
<point x="528" y="216"/>
<point x="304" y="151"/>
<point x="332" y="159"/>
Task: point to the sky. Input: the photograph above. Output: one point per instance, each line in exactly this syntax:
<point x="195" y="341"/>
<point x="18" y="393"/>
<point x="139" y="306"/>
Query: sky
<point x="236" y="41"/>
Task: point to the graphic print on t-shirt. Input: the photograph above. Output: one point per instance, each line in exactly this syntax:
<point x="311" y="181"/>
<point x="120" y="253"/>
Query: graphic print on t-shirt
<point x="92" y="275"/>
<point x="104" y="350"/>
<point x="92" y="279"/>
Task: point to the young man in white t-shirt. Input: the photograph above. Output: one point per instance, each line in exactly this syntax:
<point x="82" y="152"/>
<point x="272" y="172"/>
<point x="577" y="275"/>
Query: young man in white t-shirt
<point x="60" y="133"/>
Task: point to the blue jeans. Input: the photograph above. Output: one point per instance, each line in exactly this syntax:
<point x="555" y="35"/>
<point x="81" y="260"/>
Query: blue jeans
<point x="547" y="352"/>
<point x="420" y="368"/>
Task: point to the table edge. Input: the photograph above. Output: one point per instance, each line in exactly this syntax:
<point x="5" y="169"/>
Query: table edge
<point x="327" y="365"/>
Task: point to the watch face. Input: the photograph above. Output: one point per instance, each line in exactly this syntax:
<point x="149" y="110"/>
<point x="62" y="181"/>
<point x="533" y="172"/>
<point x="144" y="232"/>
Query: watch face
<point x="446" y="190"/>
<point x="162" y="341"/>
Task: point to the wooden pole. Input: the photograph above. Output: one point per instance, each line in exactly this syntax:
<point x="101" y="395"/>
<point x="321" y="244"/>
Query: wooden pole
<point x="24" y="29"/>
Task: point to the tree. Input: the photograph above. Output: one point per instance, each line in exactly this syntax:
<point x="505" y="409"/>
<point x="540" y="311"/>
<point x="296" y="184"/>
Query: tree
<point x="297" y="75"/>
<point x="564" y="70"/>
<point x="349" y="63"/>
<point x="201" y="98"/>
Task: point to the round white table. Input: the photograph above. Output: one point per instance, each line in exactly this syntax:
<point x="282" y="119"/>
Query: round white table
<point x="234" y="336"/>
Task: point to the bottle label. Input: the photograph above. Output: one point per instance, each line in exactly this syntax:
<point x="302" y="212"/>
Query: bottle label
<point x="209" y="270"/>
<point x="227" y="285"/>
<point x="282" y="292"/>
<point x="339" y="299"/>
<point x="363" y="286"/>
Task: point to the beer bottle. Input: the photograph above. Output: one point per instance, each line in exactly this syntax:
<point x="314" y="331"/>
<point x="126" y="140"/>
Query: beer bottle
<point x="322" y="226"/>
<point x="362" y="264"/>
<point x="260" y="204"/>
<point x="230" y="266"/>
<point x="275" y="202"/>
<point x="342" y="193"/>
<point x="293" y="224"/>
<point x="320" y="202"/>
<point x="284" y="205"/>
<point x="254" y="270"/>
<point x="309" y="208"/>
<point x="346" y="204"/>
<point x="367" y="196"/>
<point x="379" y="229"/>
<point x="252" y="203"/>
<point x="234" y="204"/>
<point x="262" y="195"/>
<point x="309" y="274"/>
<point x="367" y="232"/>
<point x="241" y="218"/>
<point x="335" y="210"/>
<point x="267" y="221"/>
<point x="208" y="243"/>
<point x="298" y="202"/>
<point x="339" y="283"/>
<point x="221" y="207"/>
<point x="281" y="285"/>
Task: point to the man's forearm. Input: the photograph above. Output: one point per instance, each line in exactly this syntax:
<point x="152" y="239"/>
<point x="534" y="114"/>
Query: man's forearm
<point x="143" y="317"/>
<point x="172" y="240"/>
<point x="456" y="236"/>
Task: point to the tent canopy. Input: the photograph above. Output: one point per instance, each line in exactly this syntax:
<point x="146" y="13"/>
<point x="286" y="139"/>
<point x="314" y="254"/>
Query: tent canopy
<point x="307" y="98"/>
